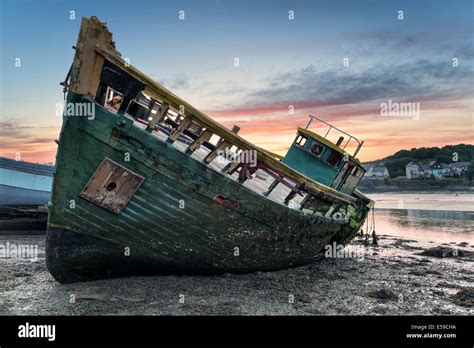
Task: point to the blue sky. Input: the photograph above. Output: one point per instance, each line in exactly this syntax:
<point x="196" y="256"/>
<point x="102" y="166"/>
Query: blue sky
<point x="282" y="62"/>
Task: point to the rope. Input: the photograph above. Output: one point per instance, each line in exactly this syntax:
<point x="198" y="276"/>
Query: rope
<point x="370" y="229"/>
<point x="374" y="236"/>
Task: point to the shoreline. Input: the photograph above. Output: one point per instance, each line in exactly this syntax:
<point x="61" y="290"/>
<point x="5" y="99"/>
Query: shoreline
<point x="457" y="190"/>
<point x="398" y="277"/>
<point x="388" y="185"/>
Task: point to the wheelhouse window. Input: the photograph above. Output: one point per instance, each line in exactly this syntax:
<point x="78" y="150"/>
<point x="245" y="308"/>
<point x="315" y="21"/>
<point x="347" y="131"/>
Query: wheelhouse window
<point x="334" y="158"/>
<point x="113" y="99"/>
<point x="317" y="149"/>
<point x="300" y="140"/>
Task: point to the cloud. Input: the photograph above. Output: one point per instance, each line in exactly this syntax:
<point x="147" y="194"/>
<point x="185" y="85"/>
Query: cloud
<point x="389" y="38"/>
<point x="180" y="81"/>
<point x="40" y="141"/>
<point x="344" y="86"/>
<point x="35" y="142"/>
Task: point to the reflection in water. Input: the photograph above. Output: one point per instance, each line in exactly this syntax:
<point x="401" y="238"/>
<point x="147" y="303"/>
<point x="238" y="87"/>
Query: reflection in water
<point x="426" y="225"/>
<point x="438" y="217"/>
<point x="426" y="201"/>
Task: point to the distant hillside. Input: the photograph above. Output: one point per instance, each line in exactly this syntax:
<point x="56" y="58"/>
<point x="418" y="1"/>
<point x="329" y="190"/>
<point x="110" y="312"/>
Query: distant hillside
<point x="396" y="163"/>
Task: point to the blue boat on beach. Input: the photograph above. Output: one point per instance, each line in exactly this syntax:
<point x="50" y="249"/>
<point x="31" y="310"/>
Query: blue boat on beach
<point x="24" y="184"/>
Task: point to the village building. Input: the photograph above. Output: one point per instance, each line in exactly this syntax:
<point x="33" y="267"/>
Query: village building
<point x="377" y="173"/>
<point x="438" y="170"/>
<point x="435" y="169"/>
<point x="412" y="170"/>
<point x="458" y="168"/>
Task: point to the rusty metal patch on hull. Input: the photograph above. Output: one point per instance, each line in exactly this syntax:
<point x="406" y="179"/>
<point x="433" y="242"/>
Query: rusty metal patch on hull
<point x="111" y="186"/>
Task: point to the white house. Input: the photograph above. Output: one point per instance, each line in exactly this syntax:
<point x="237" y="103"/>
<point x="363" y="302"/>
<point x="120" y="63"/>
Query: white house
<point x="377" y="172"/>
<point x="413" y="170"/>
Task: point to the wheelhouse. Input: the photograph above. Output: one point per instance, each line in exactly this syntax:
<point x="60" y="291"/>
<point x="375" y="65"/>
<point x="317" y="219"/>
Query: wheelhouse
<point x="326" y="162"/>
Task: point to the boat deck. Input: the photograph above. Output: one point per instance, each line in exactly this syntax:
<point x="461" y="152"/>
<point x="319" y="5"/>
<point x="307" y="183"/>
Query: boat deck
<point x="260" y="184"/>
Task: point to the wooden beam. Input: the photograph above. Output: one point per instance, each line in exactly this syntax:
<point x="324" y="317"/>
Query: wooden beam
<point x="280" y="179"/>
<point x="158" y="117"/>
<point x="162" y="112"/>
<point x="205" y="136"/>
<point x="290" y="196"/>
<point x="244" y="173"/>
<point x="235" y="129"/>
<point x="305" y="199"/>
<point x="213" y="154"/>
<point x="87" y="67"/>
<point x="231" y="167"/>
<point x="182" y="126"/>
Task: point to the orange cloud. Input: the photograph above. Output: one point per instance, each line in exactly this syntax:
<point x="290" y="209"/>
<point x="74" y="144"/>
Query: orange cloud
<point x="33" y="143"/>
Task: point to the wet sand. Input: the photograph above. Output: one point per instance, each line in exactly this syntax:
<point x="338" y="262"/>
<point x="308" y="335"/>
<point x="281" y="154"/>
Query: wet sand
<point x="391" y="279"/>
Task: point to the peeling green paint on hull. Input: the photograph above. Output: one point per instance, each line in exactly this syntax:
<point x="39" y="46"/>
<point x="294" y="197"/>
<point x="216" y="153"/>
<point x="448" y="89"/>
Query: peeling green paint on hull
<point x="87" y="241"/>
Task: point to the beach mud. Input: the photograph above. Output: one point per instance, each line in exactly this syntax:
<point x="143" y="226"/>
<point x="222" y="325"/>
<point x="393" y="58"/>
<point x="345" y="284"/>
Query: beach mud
<point x="397" y="277"/>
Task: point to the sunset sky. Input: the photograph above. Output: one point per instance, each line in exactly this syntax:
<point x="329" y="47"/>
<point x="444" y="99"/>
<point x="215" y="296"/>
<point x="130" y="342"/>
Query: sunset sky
<point x="282" y="62"/>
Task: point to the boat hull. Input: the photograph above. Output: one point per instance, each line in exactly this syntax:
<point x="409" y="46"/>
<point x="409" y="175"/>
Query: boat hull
<point x="24" y="183"/>
<point x="18" y="196"/>
<point x="173" y="222"/>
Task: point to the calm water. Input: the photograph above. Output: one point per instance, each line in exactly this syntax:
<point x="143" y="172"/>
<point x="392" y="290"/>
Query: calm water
<point x="427" y="217"/>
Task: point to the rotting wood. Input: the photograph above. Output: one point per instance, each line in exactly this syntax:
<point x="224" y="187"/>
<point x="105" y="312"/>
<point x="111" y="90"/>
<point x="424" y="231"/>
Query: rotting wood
<point x="213" y="154"/>
<point x="235" y="129"/>
<point x="152" y="123"/>
<point x="289" y="197"/>
<point x="87" y="67"/>
<point x="244" y="173"/>
<point x="231" y="167"/>
<point x="182" y="126"/>
<point x="304" y="201"/>
<point x="153" y="118"/>
<point x="196" y="144"/>
<point x="163" y="111"/>
<point x="281" y="179"/>
<point x="158" y="117"/>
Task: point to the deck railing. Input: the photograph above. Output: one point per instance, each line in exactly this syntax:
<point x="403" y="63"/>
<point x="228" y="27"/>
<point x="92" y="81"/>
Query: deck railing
<point x="351" y="137"/>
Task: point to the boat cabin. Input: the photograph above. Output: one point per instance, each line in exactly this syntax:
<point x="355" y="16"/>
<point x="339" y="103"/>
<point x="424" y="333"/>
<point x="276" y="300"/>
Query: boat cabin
<point x="323" y="161"/>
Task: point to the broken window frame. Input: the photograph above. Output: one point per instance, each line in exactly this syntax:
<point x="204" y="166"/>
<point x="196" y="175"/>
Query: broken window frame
<point x="334" y="158"/>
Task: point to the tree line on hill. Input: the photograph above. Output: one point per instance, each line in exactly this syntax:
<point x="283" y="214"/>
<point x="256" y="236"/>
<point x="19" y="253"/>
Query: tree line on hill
<point x="397" y="162"/>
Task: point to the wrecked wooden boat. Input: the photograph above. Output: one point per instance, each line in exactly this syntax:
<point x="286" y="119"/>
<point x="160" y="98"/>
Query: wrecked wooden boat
<point x="145" y="183"/>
